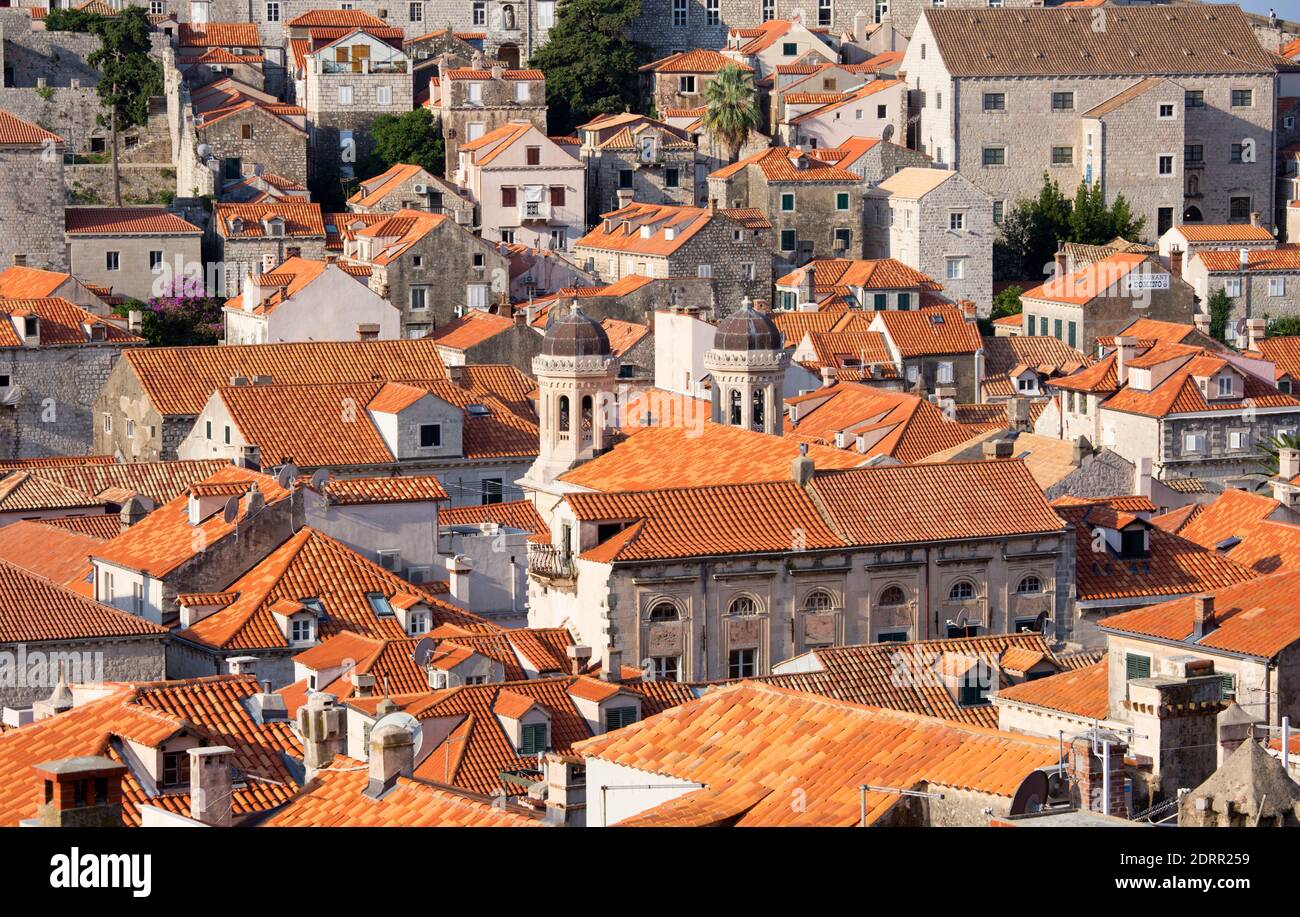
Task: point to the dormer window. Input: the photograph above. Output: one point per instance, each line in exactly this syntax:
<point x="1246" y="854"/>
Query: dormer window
<point x="534" y="738"/>
<point x="176" y="769"/>
<point x="1133" y="542"/>
<point x="618" y="717"/>
<point x="380" y="605"/>
<point x="1225" y="387"/>
<point x="417" y="622"/>
<point x="31" y="326"/>
<point x="300" y="630"/>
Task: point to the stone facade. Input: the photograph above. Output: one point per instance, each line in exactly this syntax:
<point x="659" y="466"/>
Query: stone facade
<point x="31" y="207"/>
<point x="502" y="96"/>
<point x="54" y="414"/>
<point x="93" y="660"/>
<point x="617" y="171"/>
<point x="253" y="138"/>
<point x="1022" y="120"/>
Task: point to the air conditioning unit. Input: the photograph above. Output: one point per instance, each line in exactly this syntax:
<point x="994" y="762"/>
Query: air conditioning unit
<point x="421" y="189"/>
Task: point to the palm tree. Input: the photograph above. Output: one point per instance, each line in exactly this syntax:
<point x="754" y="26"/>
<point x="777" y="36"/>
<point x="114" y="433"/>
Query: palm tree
<point x="1268" y="458"/>
<point x="732" y="109"/>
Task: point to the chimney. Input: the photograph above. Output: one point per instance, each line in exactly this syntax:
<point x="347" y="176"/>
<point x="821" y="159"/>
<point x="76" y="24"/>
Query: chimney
<point x="1176" y="261"/>
<point x="1061" y="262"/>
<point x="132" y="511"/>
<point x="859" y="26"/>
<point x="1081" y="451"/>
<point x="211" y="785"/>
<point x="1143" y="481"/>
<point x="392" y="755"/>
<point x="1202" y="615"/>
<point x="611" y="665"/>
<point x="320" y="724"/>
<point x="267" y="707"/>
<point x="1099" y="774"/>
<point x="713" y="204"/>
<point x="1125" y="349"/>
<point x="625" y="197"/>
<point x="1288" y="464"/>
<point x="807" y="286"/>
<point x="1018" y="413"/>
<point x="498" y="71"/>
<point x="135" y="320"/>
<point x="249" y="457"/>
<point x="1244" y="259"/>
<point x="80" y="793"/>
<point x="242" y="665"/>
<point x="997" y="448"/>
<point x="459" y="569"/>
<point x="364" y="683"/>
<point x="255" y="501"/>
<point x="579" y="657"/>
<point x="828" y="375"/>
<point x="802" y="468"/>
<point x="1235" y="727"/>
<point x="1202" y="321"/>
<point x="1254" y="218"/>
<point x="1256" y="330"/>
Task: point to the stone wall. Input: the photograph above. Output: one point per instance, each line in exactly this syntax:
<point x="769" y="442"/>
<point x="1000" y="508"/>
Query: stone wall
<point x="329" y="118"/>
<point x="31" y="207"/>
<point x="276" y="145"/>
<point x="123" y="659"/>
<point x="606" y="170"/>
<point x="244" y="255"/>
<point x="54" y="415"/>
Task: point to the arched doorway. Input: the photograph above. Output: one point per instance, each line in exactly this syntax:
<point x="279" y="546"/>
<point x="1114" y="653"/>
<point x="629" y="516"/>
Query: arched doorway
<point x="508" y="54"/>
<point x="1192" y="214"/>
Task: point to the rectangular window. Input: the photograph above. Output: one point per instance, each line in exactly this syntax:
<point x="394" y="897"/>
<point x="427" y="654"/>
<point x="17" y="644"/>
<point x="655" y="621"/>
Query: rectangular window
<point x="790" y="48"/>
<point x="112" y="261"/>
<point x="1277" y="286"/>
<point x="618" y="717"/>
<point x="997" y="211"/>
<point x="557" y="195"/>
<point x="1225" y="386"/>
<point x="1243" y="98"/>
<point x="345" y="95"/>
<point x="419" y="298"/>
<point x="532" y="738"/>
<point x="509" y="197"/>
<point x="711" y="13"/>
<point x="1071" y="334"/>
<point x="842" y="200"/>
<point x="176" y="768"/>
<point x="300" y="630"/>
<point x="1194" y="442"/>
<point x="769" y="10"/>
<point x="1238" y="149"/>
<point x="1165" y="165"/>
<point x="995" y="101"/>
<point x="944" y="374"/>
<point x="787" y="240"/>
<point x="843" y="239"/>
<point x="273" y="12"/>
<point x="903" y="301"/>
<point x="995" y="156"/>
<point x="384" y="95"/>
<point x="430" y="435"/>
<point x="680" y="11"/>
<point x="545" y="14"/>
<point x="533" y="155"/>
<point x="672" y="178"/>
<point x="956" y="268"/>
<point x="666" y="668"/>
<point x="1232" y="286"/>
<point x="824" y="12"/>
<point x="1056" y="328"/>
<point x="956" y="220"/>
<point x="1063" y="101"/>
<point x="1237" y="439"/>
<point x="742" y="663"/>
<point x="1194" y="98"/>
<point x="1194" y="154"/>
<point x="479" y="13"/>
<point x="227" y="434"/>
<point x="1136" y="666"/>
<point x="686" y="85"/>
<point x="1042" y="325"/>
<point x="880" y="301"/>
<point x="787" y="203"/>
<point x="416" y="12"/>
<point x="492" y="491"/>
<point x="1238" y="209"/>
<point x="1166" y="110"/>
<point x="155" y="260"/>
<point x="624" y="179"/>
<point x="1062" y="155"/>
<point x="208" y="429"/>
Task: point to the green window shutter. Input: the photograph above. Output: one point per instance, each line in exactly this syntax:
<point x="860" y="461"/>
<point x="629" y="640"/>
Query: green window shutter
<point x="842" y="201"/>
<point x="533" y="739"/>
<point x="1136" y="666"/>
<point x="1228" y="687"/>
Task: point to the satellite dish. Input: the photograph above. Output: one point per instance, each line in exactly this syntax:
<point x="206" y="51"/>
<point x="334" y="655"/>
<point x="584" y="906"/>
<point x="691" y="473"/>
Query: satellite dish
<point x="423" y="650"/>
<point x="231" y="511"/>
<point x="319" y="478"/>
<point x="887" y="133"/>
<point x="1032" y="794"/>
<point x="403" y="720"/>
<point x="284" y="477"/>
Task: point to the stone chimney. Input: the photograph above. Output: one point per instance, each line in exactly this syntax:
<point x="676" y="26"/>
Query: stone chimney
<point x="579" y="657"/>
<point x="1202" y="615"/>
<point x="1288" y="463"/>
<point x="625" y="197"/>
<point x="997" y="448"/>
<point x="1081" y="451"/>
<point x="249" y="457"/>
<point x="1235" y="727"/>
<point x="320" y="724"/>
<point x="80" y="793"/>
<point x="1099" y="773"/>
<point x="242" y="665"/>
<point x="1125" y="350"/>
<point x="807" y="286"/>
<point x="1202" y="322"/>
<point x="1176" y="261"/>
<point x="802" y="467"/>
<point x="1174" y="714"/>
<point x="1254" y="218"/>
<point x="1244" y="258"/>
<point x="132" y="511"/>
<point x="1061" y="263"/>
<point x="211" y="785"/>
<point x="459" y="570"/>
<point x="828" y="375"/>
<point x="1256" y="329"/>
<point x="1018" y="413"/>
<point x="611" y="665"/>
<point x="1143" y="473"/>
<point x="392" y="755"/>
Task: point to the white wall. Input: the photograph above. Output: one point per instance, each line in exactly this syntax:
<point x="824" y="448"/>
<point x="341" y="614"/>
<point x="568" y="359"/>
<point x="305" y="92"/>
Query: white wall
<point x="613" y="805"/>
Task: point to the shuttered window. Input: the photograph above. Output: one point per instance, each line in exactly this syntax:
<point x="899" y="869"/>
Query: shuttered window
<point x="532" y="738"/>
<point x="1136" y="666"/>
<point x="618" y="717"/>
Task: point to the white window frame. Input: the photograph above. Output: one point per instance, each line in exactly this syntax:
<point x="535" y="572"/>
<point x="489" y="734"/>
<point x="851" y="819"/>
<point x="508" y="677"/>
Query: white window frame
<point x="273" y="11"/>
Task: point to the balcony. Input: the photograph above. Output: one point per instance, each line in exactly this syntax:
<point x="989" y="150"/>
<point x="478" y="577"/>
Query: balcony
<point x="548" y="562"/>
<point x="534" y="212"/>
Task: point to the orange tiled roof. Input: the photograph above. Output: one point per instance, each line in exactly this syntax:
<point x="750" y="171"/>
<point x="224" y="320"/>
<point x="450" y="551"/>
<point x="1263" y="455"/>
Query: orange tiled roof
<point x="469" y="73"/>
<point x="14" y="131"/>
<point x="36" y="609"/>
<point x="697" y="60"/>
<point x="313" y="565"/>
<point x="518" y="514"/>
<point x="471" y="329"/>
<point x="164" y="539"/>
<point x="1224" y="232"/>
<point x="1284" y="352"/>
<point x="149" y="714"/>
<point x="400" y="230"/>
<point x="55" y="553"/>
<point x="684" y="456"/>
<point x="1003" y="354"/>
<point x="159" y="481"/>
<point x="179" y="380"/>
<point x="218" y="34"/>
<point x="495" y="142"/>
<point x="623" y="336"/>
<point x="100" y="527"/>
<point x="1256" y="618"/>
<point x="61" y="323"/>
<point x="620" y="230"/>
<point x="854" y="95"/>
<point x="1263" y="545"/>
<point x="301" y="219"/>
<point x="751" y="744"/>
<point x="929" y="331"/>
<point x="1174" y="565"/>
<point x="831" y="274"/>
<point x="373" y="190"/>
<point x="1081" y="692"/>
<point x="24" y="491"/>
<point x="1088" y="282"/>
<point x="1262" y="260"/>
<point x="341" y="18"/>
<point x="121" y="221"/>
<point x="406" y="489"/>
<point x="334" y="798"/>
<point x="18" y="282"/>
<point x="788" y="164"/>
<point x="1179" y="393"/>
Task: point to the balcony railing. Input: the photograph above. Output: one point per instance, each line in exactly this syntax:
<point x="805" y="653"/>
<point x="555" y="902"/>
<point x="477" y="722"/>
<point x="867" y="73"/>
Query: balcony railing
<point x="549" y="561"/>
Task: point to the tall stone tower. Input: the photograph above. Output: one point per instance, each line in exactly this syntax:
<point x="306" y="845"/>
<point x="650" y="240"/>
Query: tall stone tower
<point x="748" y="363"/>
<point x="576" y="373"/>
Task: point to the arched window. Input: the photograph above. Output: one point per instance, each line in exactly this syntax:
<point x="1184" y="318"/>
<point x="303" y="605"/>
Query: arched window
<point x="737" y="416"/>
<point x="588" y="415"/>
<point x="742" y="606"/>
<point x="663" y="611"/>
<point x="757" y="411"/>
<point x="893" y="595"/>
<point x="818" y="601"/>
<point x="1029" y="585"/>
<point x="1192" y="215"/>
<point x="564" y="413"/>
<point x="961" y="591"/>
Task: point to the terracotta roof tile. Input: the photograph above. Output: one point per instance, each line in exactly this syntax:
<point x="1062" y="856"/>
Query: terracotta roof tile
<point x="471" y="329"/>
<point x="33" y="609"/>
<point x="930" y="331"/>
<point x="301" y="219"/>
<point x="749" y="745"/>
<point x="519" y="514"/>
<point x="1082" y="692"/>
<point x="121" y="221"/>
<point x="697" y="60"/>
<point x="1264" y="261"/>
<point x="61" y="323"/>
<point x="14" y="131"/>
<point x="1088" y="282"/>
<point x="99" y="527"/>
<point x="368" y="491"/>
<point x="789" y="164"/>
<point x="218" y="34"/>
<point x="620" y="230"/>
<point x="58" y="554"/>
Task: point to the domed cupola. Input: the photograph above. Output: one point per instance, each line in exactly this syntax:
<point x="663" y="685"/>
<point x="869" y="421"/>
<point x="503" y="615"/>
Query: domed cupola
<point x="747" y="330"/>
<point x="573" y="334"/>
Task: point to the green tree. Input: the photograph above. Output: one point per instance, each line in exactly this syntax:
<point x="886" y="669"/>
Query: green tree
<point x="1266" y="452"/>
<point x="1285" y="326"/>
<point x="1030" y="232"/>
<point x="183" y="316"/>
<point x="1093" y="223"/>
<point x="412" y="138"/>
<point x="128" y="77"/>
<point x="66" y="19"/>
<point x="1220" y="309"/>
<point x="589" y="61"/>
<point x="731" y="108"/>
<point x="1007" y="302"/>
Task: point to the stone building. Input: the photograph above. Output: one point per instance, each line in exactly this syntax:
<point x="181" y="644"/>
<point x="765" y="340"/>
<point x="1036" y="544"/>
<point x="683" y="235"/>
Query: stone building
<point x="1173" y="111"/>
<point x="349" y="83"/>
<point x="940" y="223"/>
<point x="878" y="108"/>
<point x="937" y="350"/>
<point x="473" y="101"/>
<point x="680" y="79"/>
<point x="731" y="247"/>
<point x="872" y="159"/>
<point x="634" y="157"/>
<point x="253" y="238"/>
<point x="780" y="41"/>
<point x="32" y="196"/>
<point x="142" y="412"/>
<point x="132" y="251"/>
<point x="240" y="132"/>
<point x="815" y="207"/>
<point x="430" y="267"/>
<point x="1261" y="283"/>
<point x="54" y="359"/>
<point x="410" y="187"/>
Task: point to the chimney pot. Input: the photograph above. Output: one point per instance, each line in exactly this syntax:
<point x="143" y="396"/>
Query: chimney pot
<point x="1203" y="621"/>
<point x="211" y="785"/>
<point x="611" y="666"/>
<point x="1125" y="350"/>
<point x="1288" y="464"/>
<point x="392" y="755"/>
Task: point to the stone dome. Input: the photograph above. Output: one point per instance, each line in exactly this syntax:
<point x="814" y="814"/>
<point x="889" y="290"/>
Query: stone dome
<point x="572" y="334"/>
<point x="746" y="330"/>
